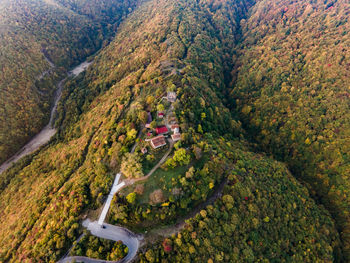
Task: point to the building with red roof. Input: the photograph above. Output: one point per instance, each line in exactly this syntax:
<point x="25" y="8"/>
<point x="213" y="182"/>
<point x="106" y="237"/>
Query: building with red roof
<point x="162" y="130"/>
<point x="158" y="141"/>
<point x="176" y="137"/>
<point x="175" y="127"/>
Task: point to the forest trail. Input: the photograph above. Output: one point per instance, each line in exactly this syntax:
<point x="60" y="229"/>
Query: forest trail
<point x="167" y="231"/>
<point x="51" y="66"/>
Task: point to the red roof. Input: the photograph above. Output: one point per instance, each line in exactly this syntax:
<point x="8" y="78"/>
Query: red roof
<point x="161" y="129"/>
<point x="158" y="141"/>
<point x="176" y="137"/>
<point x="174" y="126"/>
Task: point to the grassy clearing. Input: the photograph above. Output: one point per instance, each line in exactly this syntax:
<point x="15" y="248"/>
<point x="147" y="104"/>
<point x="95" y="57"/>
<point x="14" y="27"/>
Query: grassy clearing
<point x="158" y="154"/>
<point x="160" y="179"/>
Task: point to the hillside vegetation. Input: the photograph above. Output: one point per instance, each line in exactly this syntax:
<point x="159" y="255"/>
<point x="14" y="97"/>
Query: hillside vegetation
<point x="247" y="207"/>
<point x="66" y="33"/>
<point x="264" y="215"/>
<point x="291" y="90"/>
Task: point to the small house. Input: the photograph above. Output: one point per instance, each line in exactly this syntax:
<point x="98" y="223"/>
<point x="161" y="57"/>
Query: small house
<point x="176" y="137"/>
<point x="161" y="115"/>
<point x="158" y="141"/>
<point x="175" y="128"/>
<point x="144" y="150"/>
<point x="162" y="130"/>
<point x="171" y="96"/>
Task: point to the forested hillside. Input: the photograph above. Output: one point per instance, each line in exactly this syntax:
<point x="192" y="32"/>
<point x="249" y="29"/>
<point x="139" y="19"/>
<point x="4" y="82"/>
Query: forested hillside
<point x="291" y="89"/>
<point x="242" y="205"/>
<point x="264" y="215"/>
<point x="66" y="32"/>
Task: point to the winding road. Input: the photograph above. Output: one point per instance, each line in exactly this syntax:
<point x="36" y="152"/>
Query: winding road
<point x="97" y="228"/>
<point x="116" y="233"/>
<point x="111" y="232"/>
<point x="48" y="131"/>
<point x="107" y="231"/>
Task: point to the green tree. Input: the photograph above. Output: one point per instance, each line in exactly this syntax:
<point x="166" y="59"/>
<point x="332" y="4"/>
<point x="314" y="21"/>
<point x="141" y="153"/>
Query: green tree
<point x="131" y="134"/>
<point x="150" y="256"/>
<point x="200" y="129"/>
<point x="160" y="108"/>
<point x="142" y="117"/>
<point x="181" y="157"/>
<point x="131" y="198"/>
<point x="153" y="124"/>
<point x="131" y="166"/>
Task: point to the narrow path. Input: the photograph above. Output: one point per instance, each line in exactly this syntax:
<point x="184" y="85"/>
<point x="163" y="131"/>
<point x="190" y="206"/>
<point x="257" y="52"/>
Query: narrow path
<point x="68" y="252"/>
<point x="51" y="66"/>
<point x="165" y="156"/>
<point x="48" y="131"/>
<point x="180" y="223"/>
<point x="138" y="137"/>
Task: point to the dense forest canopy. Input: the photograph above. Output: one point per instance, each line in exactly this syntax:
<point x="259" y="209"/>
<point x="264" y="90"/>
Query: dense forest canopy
<point x="291" y="90"/>
<point x="249" y="76"/>
<point x="66" y="32"/>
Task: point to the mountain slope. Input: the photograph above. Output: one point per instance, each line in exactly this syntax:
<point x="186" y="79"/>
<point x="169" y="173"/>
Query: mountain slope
<point x="291" y="89"/>
<point x="164" y="45"/>
<point x="28" y="31"/>
<point x="261" y="216"/>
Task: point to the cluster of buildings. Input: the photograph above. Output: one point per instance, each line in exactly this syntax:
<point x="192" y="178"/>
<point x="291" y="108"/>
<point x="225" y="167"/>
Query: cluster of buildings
<point x="163" y="131"/>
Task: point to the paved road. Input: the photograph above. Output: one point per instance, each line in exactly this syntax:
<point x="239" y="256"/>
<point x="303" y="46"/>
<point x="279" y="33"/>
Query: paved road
<point x="110" y="232"/>
<point x="117" y="233"/>
<point x="115" y="188"/>
<point x="48" y="131"/>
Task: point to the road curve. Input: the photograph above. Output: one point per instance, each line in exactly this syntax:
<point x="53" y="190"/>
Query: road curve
<point x="111" y="232"/>
<point x="116" y="233"/>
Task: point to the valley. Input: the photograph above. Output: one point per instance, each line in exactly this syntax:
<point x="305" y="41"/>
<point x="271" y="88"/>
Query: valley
<point x="49" y="130"/>
<point x="204" y="131"/>
<point x="34" y="34"/>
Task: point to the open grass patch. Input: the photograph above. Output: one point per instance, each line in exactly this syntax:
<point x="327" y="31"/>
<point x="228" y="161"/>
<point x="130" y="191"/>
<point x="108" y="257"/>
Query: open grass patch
<point x="152" y="158"/>
<point x="160" y="179"/>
